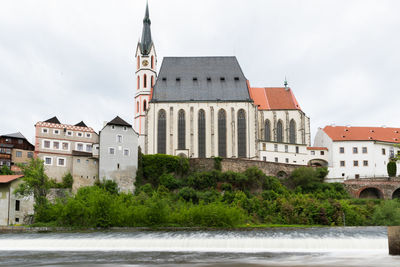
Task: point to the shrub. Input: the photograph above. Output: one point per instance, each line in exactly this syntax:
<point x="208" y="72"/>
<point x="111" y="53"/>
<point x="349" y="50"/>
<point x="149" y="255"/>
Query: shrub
<point x="308" y="179"/>
<point x="5" y="170"/>
<point x="387" y="213"/>
<point x="188" y="194"/>
<point x="203" y="180"/>
<point x="169" y="181"/>
<point x="392" y="168"/>
<point x="67" y="181"/>
<point x="217" y="163"/>
<point x="109" y="185"/>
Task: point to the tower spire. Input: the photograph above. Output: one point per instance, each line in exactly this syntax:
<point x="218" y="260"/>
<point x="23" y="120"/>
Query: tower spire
<point x="146" y="41"/>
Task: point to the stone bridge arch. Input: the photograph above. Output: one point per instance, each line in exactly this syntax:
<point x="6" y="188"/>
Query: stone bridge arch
<point x="370" y="192"/>
<point x="396" y="193"/>
<point x="373" y="188"/>
<point x="317" y="163"/>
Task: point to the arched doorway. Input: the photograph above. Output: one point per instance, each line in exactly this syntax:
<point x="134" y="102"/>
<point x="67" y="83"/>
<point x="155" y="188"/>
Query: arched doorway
<point x="396" y="194"/>
<point x="371" y="193"/>
<point x="317" y="163"/>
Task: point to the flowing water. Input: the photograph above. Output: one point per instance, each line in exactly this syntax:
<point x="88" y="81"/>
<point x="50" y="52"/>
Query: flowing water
<point x="353" y="246"/>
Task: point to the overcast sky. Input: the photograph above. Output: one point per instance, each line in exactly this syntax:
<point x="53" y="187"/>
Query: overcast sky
<point x="75" y="59"/>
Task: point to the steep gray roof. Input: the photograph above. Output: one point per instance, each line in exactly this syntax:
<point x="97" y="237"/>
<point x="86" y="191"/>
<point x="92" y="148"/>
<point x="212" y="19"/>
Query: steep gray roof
<point x="15" y="135"/>
<point x="200" y="79"/>
<point x="146" y="41"/>
<point x="119" y="122"/>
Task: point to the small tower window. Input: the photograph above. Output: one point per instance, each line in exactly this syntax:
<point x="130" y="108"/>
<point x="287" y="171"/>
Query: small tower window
<point x="145" y="81"/>
<point x="137" y="107"/>
<point x="144" y="105"/>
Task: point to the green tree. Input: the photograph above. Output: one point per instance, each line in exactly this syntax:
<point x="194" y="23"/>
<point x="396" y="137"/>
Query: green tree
<point x="35" y="182"/>
<point x="392" y="168"/>
<point x="5" y="170"/>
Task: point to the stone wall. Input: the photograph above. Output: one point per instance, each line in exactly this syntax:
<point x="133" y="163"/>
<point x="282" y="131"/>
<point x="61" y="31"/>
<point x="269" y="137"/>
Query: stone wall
<point x="240" y="165"/>
<point x="383" y="186"/>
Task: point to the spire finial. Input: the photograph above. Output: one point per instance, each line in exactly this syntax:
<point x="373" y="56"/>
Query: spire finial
<point x="286" y="83"/>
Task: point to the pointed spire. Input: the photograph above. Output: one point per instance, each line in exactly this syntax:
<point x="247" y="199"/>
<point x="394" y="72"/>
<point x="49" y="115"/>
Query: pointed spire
<point x="146" y="41"/>
<point x="286" y="84"/>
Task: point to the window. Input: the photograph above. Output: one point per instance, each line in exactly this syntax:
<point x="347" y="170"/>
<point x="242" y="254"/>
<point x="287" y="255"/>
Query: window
<point x="144" y="105"/>
<point x="112" y="127"/>
<point x="20" y="141"/>
<point x="286" y="148"/>
<point x="138" y="62"/>
<point x="279" y="132"/>
<point x="56" y="145"/>
<point x="78" y="160"/>
<point x="119" y="138"/>
<point x="355" y="150"/>
<point x="365" y="163"/>
<point x="88" y="135"/>
<point x="264" y="146"/>
<point x="125" y="129"/>
<point x="286" y="160"/>
<point x="17" y="203"/>
<point x="341" y="150"/>
<point x="69" y="133"/>
<point x="152" y="62"/>
<point x="79" y="134"/>
<point x="275" y="147"/>
<point x="137" y="107"/>
<point x="18" y="154"/>
<point x="181" y="129"/>
<point x="383" y="151"/>
<point x="355" y="163"/>
<point x="152" y="81"/>
<point x="162" y="132"/>
<point x="118" y="166"/>
<point x="201" y="125"/>
<point x="48" y="160"/>
<point x="241" y="128"/>
<point x="145" y="81"/>
<point x="364" y="150"/>
<point x="292" y="132"/>
<point x="111" y="151"/>
<point x="276" y="159"/>
<point x="65" y="146"/>
<point x="322" y="153"/>
<point x="138" y="82"/>
<point x="264" y="158"/>
<point x="126" y="152"/>
<point x="46" y="144"/>
<point x="45" y="130"/>
<point x="56" y="131"/>
<point x="267" y="131"/>
<point x="312" y="152"/>
<point x="357" y="176"/>
<point x="342" y="163"/>
<point x="297" y="149"/>
<point x="61" y="162"/>
<point x="30" y="155"/>
<point x="222" y="133"/>
<point x="89" y="148"/>
<point x="16" y="219"/>
<point x="79" y="147"/>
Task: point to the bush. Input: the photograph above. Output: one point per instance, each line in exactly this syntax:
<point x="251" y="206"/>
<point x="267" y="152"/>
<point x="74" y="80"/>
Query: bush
<point x="203" y="180"/>
<point x="392" y="168"/>
<point x="217" y="163"/>
<point x="188" y="194"/>
<point x="5" y="170"/>
<point x="308" y="179"/>
<point x="387" y="213"/>
<point x="108" y="185"/>
<point x="169" y="181"/>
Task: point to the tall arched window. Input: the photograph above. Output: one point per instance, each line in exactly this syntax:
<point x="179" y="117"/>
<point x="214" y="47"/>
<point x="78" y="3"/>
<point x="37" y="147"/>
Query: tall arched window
<point x="145" y="81"/>
<point x="138" y="62"/>
<point x="241" y="130"/>
<point x="144" y="105"/>
<point x="162" y="132"/>
<point x="152" y="62"/>
<point x="292" y="132"/>
<point x="222" y="133"/>
<point x="279" y="132"/>
<point x="138" y="82"/>
<point x="152" y="81"/>
<point x="181" y="129"/>
<point x="201" y="125"/>
<point x="267" y="131"/>
<point x="137" y="107"/>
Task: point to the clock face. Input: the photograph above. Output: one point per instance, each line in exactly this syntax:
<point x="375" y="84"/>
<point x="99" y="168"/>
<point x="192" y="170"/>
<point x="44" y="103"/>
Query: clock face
<point x="145" y="63"/>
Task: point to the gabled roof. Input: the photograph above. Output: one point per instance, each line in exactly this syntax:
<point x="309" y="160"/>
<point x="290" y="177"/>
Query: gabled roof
<point x="14" y="135"/>
<point x="81" y="124"/>
<point x="119" y="122"/>
<point x="53" y="120"/>
<point x="200" y="79"/>
<point x="274" y="98"/>
<point x="4" y="179"/>
<point x="348" y="133"/>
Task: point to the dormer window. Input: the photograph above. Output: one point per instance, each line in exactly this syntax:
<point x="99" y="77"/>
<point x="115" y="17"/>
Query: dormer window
<point x="208" y="79"/>
<point x="195" y="79"/>
<point x="178" y="79"/>
<point x="164" y="79"/>
<point x="222" y="79"/>
<point x="236" y="78"/>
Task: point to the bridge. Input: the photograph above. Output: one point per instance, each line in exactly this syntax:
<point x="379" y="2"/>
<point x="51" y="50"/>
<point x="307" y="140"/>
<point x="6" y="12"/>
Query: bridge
<point x="377" y="188"/>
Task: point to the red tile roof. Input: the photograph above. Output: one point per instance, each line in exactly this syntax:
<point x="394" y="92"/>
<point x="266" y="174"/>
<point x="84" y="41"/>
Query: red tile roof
<point x="317" y="148"/>
<point x="273" y="98"/>
<point x="347" y="133"/>
<point x="8" y="178"/>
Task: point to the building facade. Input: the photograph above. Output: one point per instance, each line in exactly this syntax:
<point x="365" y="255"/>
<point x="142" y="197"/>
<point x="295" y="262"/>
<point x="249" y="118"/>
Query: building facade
<point x="119" y="154"/>
<point x="358" y="152"/>
<point x="66" y="148"/>
<point x="15" y="149"/>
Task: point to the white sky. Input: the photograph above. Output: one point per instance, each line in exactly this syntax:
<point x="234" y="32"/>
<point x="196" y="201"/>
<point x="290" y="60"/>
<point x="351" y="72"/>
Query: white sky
<point x="74" y="59"/>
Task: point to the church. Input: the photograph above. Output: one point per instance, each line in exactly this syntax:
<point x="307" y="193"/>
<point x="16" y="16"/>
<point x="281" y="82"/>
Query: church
<point x="202" y="107"/>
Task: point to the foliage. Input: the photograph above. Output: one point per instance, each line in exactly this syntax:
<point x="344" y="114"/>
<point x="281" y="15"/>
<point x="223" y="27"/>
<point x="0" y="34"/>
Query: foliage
<point x="392" y="168"/>
<point x="139" y="172"/>
<point x="217" y="163"/>
<point x="169" y="181"/>
<point x="387" y="213"/>
<point x="5" y="170"/>
<point x="308" y="179"/>
<point x="35" y="182"/>
<point x="67" y="182"/>
<point x="109" y="185"/>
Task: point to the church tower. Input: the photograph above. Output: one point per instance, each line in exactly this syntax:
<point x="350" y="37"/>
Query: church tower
<point x="146" y="74"/>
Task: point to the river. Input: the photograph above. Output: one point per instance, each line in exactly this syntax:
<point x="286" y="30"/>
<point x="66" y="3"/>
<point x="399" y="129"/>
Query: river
<point x="347" y="246"/>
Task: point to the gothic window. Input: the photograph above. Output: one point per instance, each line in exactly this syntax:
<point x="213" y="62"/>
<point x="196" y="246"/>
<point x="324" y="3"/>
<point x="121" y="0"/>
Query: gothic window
<point x="279" y="132"/>
<point x="162" y="132"/>
<point x="222" y="133"/>
<point x="201" y="125"/>
<point x="241" y="126"/>
<point x="152" y="62"/>
<point x="137" y="107"/>
<point x="145" y="81"/>
<point x="138" y="82"/>
<point x="267" y="131"/>
<point x="181" y="129"/>
<point x="144" y="105"/>
<point x="292" y="132"/>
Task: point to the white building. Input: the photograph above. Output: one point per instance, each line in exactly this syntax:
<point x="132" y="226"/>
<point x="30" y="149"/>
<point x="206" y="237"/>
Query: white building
<point x="358" y="152"/>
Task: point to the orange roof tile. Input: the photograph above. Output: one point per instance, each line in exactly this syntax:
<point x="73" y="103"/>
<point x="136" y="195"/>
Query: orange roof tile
<point x="317" y="148"/>
<point x="273" y="98"/>
<point x="8" y="178"/>
<point x="347" y="133"/>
